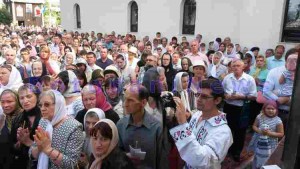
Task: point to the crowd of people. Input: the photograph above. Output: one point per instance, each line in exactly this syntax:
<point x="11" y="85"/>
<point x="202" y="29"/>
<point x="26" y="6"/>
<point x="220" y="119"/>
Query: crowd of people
<point x="86" y="100"/>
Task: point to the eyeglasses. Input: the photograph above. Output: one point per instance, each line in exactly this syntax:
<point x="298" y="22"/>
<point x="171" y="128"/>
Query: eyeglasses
<point x="46" y="105"/>
<point x="202" y="96"/>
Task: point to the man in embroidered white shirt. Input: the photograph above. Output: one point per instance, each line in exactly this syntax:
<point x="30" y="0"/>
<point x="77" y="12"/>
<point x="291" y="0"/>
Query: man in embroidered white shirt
<point x="204" y="141"/>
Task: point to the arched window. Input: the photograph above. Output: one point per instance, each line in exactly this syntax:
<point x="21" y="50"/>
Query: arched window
<point x="77" y="16"/>
<point x="133" y="17"/>
<point x="189" y="17"/>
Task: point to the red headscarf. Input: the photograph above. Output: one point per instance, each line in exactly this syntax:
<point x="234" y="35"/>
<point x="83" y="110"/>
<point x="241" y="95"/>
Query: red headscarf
<point x="101" y="101"/>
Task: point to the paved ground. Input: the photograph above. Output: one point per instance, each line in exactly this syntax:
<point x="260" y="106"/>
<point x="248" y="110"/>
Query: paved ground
<point x="245" y="160"/>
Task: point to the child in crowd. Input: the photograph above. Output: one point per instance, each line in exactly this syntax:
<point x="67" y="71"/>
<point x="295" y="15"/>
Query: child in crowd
<point x="287" y="77"/>
<point x="268" y="129"/>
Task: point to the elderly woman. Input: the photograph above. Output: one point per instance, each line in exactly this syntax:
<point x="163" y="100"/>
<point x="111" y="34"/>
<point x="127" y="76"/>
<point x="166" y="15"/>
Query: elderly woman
<point x="93" y="97"/>
<point x="90" y="119"/>
<point x="70" y="59"/>
<point x="10" y="78"/>
<point x="113" y="92"/>
<point x="12" y="110"/>
<point x="38" y="70"/>
<point x="106" y="153"/>
<point x="69" y="86"/>
<point x="59" y="138"/>
<point x="216" y="69"/>
<point x="24" y="126"/>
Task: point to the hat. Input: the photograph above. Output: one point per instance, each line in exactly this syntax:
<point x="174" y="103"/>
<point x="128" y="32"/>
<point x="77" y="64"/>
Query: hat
<point x="133" y="50"/>
<point x="81" y="61"/>
<point x="198" y="63"/>
<point x="96" y="74"/>
<point x="112" y="69"/>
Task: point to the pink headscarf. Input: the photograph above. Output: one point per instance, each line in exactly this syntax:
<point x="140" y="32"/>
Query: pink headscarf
<point x="101" y="101"/>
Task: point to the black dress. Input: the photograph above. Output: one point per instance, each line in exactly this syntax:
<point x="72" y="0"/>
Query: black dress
<point x="20" y="155"/>
<point x="117" y="159"/>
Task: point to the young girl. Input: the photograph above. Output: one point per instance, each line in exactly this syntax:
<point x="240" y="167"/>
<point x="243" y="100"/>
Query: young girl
<point x="268" y="128"/>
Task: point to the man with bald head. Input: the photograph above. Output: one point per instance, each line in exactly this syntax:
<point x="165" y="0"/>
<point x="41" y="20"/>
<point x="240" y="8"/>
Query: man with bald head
<point x="195" y="55"/>
<point x="240" y="89"/>
<point x="141" y="130"/>
<point x="10" y="56"/>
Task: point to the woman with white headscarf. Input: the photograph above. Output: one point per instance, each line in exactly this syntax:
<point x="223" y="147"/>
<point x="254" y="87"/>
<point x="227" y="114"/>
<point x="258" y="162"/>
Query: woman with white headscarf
<point x="59" y="138"/>
<point x="229" y="54"/>
<point x="90" y="119"/>
<point x="216" y="69"/>
<point x="106" y="153"/>
<point x="69" y="86"/>
<point x="181" y="90"/>
<point x="10" y="78"/>
<point x="70" y="58"/>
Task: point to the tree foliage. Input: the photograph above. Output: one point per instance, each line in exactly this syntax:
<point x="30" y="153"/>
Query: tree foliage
<point x="5" y="16"/>
<point x="54" y="14"/>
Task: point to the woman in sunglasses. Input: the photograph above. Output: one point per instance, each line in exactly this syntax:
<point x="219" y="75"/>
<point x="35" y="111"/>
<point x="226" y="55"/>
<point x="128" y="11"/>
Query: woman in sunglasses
<point x="59" y="138"/>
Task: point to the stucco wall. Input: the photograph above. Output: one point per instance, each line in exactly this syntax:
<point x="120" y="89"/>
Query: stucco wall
<point x="248" y="22"/>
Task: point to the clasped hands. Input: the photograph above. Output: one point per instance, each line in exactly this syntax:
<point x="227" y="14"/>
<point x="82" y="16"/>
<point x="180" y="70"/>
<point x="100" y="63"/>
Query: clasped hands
<point x="42" y="139"/>
<point x="23" y="136"/>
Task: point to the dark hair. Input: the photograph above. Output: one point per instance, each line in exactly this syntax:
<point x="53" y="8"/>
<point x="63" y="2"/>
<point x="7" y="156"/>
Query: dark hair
<point x="289" y="52"/>
<point x="25" y="50"/>
<point x="113" y="82"/>
<point x="81" y="75"/>
<point x="254" y="49"/>
<point x="210" y="52"/>
<point x="31" y="87"/>
<point x="219" y="40"/>
<point x="119" y="56"/>
<point x="64" y="77"/>
<point x="103" y="128"/>
<point x="68" y="47"/>
<point x="91" y="53"/>
<point x="174" y="38"/>
<point x="46" y="79"/>
<point x="202" y="44"/>
<point x="280" y="46"/>
<point x="215" y="85"/>
<point x="83" y="52"/>
<point x="231" y="45"/>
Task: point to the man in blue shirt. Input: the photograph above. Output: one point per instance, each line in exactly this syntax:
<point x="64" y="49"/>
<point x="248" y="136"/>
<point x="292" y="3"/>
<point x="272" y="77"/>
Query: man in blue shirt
<point x="103" y="62"/>
<point x="277" y="60"/>
<point x="272" y="86"/>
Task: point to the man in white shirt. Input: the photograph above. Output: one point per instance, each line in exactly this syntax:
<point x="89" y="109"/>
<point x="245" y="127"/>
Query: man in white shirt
<point x="91" y="61"/>
<point x="204" y="141"/>
<point x="239" y="88"/>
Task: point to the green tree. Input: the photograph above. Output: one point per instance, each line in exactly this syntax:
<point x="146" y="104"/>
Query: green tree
<point x="50" y="14"/>
<point x="5" y="16"/>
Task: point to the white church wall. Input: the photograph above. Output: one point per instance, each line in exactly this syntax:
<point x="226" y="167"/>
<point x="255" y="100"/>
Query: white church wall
<point x="248" y="22"/>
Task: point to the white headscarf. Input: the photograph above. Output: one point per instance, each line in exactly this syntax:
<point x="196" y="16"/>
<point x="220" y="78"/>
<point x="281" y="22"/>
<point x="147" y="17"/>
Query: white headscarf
<point x="14" y="81"/>
<point x="100" y="113"/>
<point x="113" y="143"/>
<point x="253" y="61"/>
<point x="60" y="113"/>
<point x="73" y="55"/>
<point x="183" y="92"/>
<point x="87" y="146"/>
<point x="213" y="71"/>
<point x="73" y="88"/>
